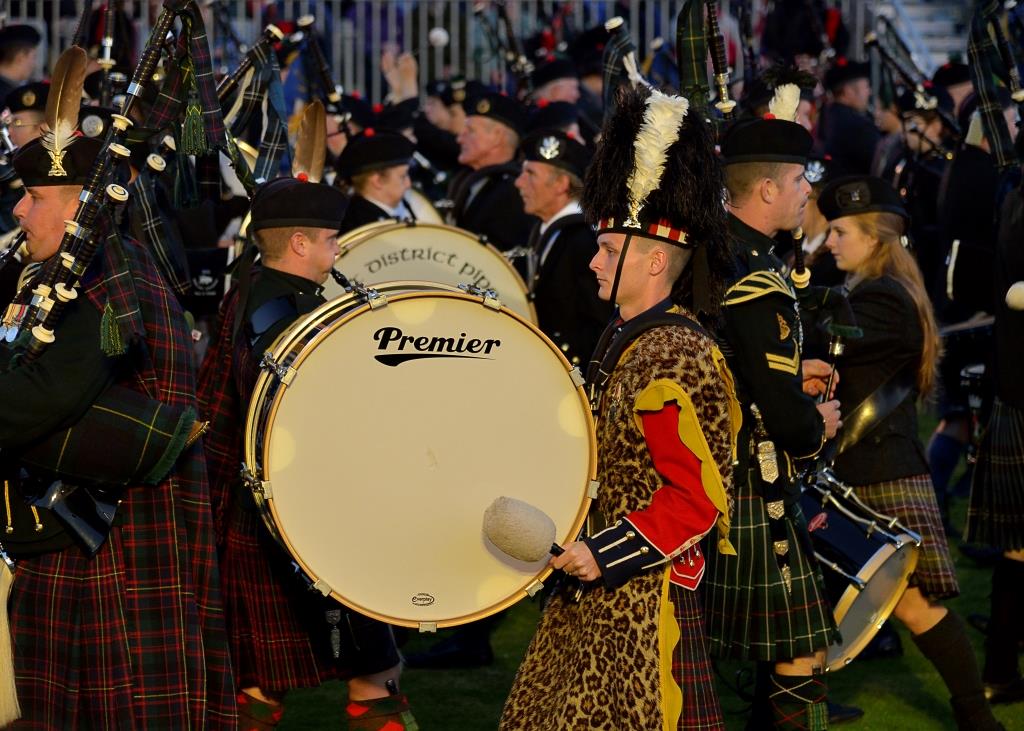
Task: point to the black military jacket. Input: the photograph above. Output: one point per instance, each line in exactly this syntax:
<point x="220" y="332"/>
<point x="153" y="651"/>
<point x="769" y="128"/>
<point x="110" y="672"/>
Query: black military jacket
<point x="564" y="289"/>
<point x="891" y="344"/>
<point x="761" y="342"/>
<point x="361" y="212"/>
<point x="495" y="209"/>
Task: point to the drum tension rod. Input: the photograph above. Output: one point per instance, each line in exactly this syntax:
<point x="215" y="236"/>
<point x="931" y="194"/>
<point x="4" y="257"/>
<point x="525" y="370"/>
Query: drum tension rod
<point x="490" y="297"/>
<point x="283" y="373"/>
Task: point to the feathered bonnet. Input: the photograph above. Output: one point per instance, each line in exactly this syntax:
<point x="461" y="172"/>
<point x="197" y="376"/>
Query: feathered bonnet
<point x="61" y="156"/>
<point x="655" y="175"/>
<point x="774" y="136"/>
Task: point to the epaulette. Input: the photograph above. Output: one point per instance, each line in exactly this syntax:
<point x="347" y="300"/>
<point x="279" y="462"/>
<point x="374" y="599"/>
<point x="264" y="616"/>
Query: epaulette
<point x="758" y="284"/>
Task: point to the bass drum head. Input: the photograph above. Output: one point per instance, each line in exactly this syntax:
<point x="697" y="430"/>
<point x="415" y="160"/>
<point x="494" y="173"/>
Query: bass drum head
<point x="431" y="253"/>
<point x="400" y="426"/>
<point x="421" y="207"/>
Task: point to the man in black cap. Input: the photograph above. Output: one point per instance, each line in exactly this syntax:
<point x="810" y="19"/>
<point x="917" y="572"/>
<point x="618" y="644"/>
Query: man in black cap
<point x="280" y="633"/>
<point x="766" y="603"/>
<point x="484" y="198"/>
<point x="144" y="605"/>
<point x="19" y="48"/>
<point x="955" y="78"/>
<point x="847" y="132"/>
<point x="561" y="244"/>
<point x="27" y="105"/>
<point x="556" y="80"/>
<point x="376" y="165"/>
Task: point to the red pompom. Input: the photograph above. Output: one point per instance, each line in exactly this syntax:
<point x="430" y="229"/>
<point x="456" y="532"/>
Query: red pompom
<point x="599" y="46"/>
<point x="769" y="115"/>
<point x="369" y="132"/>
<point x="828" y="158"/>
<point x="356" y="95"/>
<point x="550" y="57"/>
<point x="378" y="108"/>
<point x="571" y="135"/>
<point x="841" y="62"/>
<point x="302" y="178"/>
<point x="541" y="103"/>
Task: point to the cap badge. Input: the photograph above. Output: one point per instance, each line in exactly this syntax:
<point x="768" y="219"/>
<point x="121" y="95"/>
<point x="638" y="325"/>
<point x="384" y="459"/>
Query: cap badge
<point x="815" y="171"/>
<point x="549" y="148"/>
<point x="92" y="125"/>
<point x="483" y="106"/>
<point x="28" y="98"/>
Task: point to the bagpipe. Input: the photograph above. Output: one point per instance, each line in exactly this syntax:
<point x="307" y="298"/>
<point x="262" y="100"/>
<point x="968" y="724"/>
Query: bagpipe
<point x="895" y="56"/>
<point x="58" y="282"/>
<point x="510" y="48"/>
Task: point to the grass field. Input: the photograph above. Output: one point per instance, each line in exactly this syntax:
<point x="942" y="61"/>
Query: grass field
<point x="902" y="694"/>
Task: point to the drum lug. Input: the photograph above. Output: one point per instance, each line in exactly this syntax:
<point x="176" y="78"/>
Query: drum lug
<point x="261" y="488"/>
<point x="322" y="586"/>
<point x="533" y="588"/>
<point x="489" y="295"/>
<point x="592" y="488"/>
<point x="577" y="377"/>
<point x="427" y="627"/>
<point x="283" y="373"/>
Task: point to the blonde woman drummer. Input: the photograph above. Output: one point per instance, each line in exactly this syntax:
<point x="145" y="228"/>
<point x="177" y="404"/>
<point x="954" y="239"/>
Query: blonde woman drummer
<point x="888" y="369"/>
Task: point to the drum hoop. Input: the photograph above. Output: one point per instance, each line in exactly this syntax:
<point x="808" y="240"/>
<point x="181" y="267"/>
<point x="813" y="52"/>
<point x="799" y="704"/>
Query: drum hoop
<point x="364" y="233"/>
<point x="266" y="505"/>
<point x="887" y="551"/>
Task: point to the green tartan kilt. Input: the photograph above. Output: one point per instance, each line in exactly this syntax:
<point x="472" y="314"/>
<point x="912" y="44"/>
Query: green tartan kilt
<point x="749" y="613"/>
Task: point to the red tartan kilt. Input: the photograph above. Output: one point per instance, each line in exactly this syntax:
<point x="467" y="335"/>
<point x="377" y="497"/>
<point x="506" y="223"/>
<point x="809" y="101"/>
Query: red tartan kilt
<point x="270" y="643"/>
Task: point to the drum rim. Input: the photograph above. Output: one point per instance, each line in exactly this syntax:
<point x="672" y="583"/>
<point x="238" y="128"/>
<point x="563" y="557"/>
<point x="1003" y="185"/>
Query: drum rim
<point x="265" y="505"/>
<point x="839" y="656"/>
<point x="364" y="233"/>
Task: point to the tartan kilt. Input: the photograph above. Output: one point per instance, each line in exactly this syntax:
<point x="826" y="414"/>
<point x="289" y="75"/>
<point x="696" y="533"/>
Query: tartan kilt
<point x="912" y="501"/>
<point x="750" y="615"/>
<point x="995" y="514"/>
<point x="691" y="665"/>
<point x="269" y="639"/>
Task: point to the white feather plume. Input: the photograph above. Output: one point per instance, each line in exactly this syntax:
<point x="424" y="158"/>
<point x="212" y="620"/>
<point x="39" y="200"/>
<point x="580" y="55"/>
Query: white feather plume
<point x="56" y="140"/>
<point x="658" y="131"/>
<point x="785" y="102"/>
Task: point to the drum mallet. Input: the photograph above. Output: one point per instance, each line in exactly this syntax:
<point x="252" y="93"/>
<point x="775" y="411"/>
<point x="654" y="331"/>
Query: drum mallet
<point x="520" y="530"/>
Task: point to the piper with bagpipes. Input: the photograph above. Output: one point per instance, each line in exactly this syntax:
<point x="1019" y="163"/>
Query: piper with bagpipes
<point x="102" y="341"/>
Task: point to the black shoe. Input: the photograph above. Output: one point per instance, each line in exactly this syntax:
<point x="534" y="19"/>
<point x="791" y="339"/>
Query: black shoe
<point x="452" y="653"/>
<point x="1012" y="692"/>
<point x="838" y="713"/>
<point x="886" y="643"/>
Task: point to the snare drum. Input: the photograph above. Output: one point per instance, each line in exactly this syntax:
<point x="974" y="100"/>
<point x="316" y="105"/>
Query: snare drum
<point x="380" y="432"/>
<point x="391" y="251"/>
<point x="866" y="559"/>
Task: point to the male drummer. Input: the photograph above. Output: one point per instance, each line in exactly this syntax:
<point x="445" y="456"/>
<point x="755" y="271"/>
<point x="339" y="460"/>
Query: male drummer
<point x="376" y="164"/>
<point x="766" y="603"/>
<point x="632" y="653"/>
<point x="561" y="245"/>
<point x="282" y="635"/>
<point x="485" y="200"/>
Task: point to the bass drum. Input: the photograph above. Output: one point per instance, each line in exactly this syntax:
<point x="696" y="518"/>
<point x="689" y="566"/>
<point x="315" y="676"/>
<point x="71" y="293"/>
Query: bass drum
<point x="421" y="207"/>
<point x="380" y="431"/>
<point x="866" y="559"/>
<point x="391" y="251"/>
